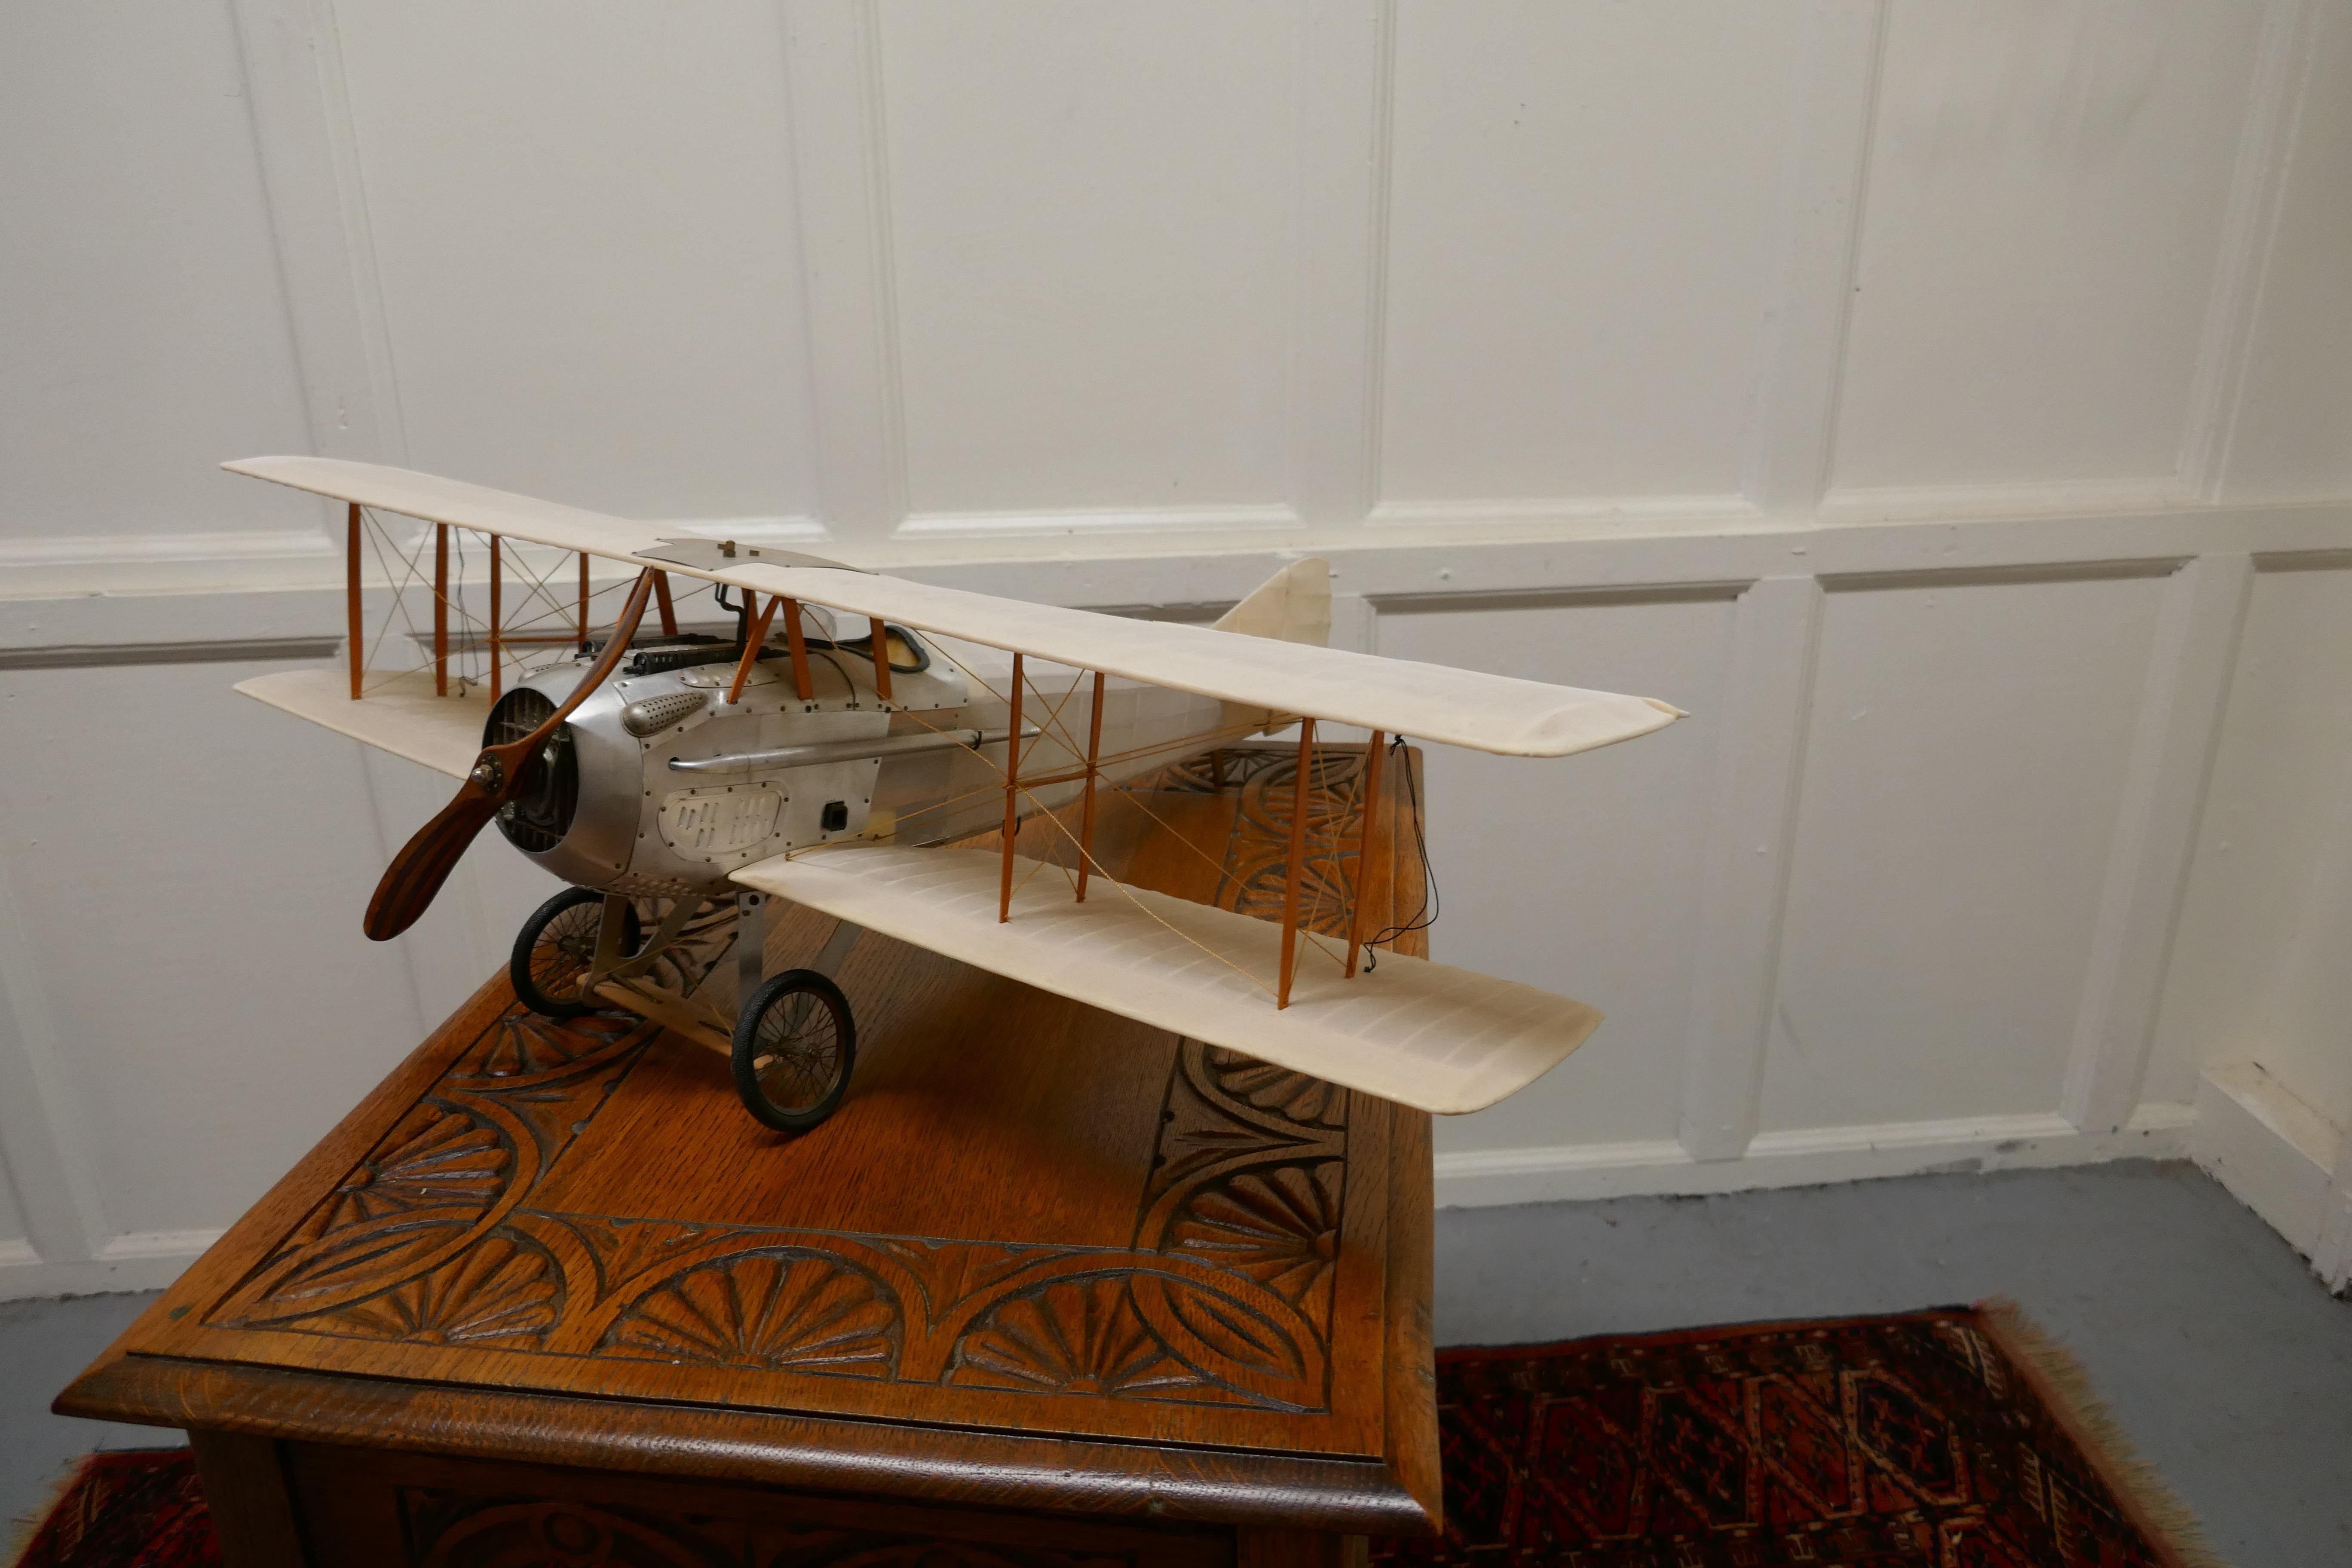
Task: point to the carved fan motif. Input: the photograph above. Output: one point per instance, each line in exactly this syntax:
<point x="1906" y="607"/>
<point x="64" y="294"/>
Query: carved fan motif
<point x="437" y="1157"/>
<point x="1280" y="1226"/>
<point x="1074" y="1336"/>
<point x="345" y="1266"/>
<point x="1251" y="1175"/>
<point x="1294" y="1096"/>
<point x="523" y="1044"/>
<point x="1196" y="776"/>
<point x="1225" y="768"/>
<point x="504" y="1292"/>
<point x="1332" y="807"/>
<point x="622" y="1249"/>
<point x="1257" y="860"/>
<point x="1324" y="890"/>
<point x="442" y="1177"/>
<point x="799" y="1311"/>
<point x="1240" y="1344"/>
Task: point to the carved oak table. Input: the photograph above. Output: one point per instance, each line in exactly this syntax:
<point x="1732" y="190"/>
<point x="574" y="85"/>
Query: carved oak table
<point x="1052" y="1288"/>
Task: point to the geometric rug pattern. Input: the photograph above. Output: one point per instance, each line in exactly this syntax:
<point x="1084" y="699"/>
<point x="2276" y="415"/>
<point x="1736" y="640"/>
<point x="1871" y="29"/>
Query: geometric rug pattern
<point x="140" y="1508"/>
<point x="1918" y="1441"/>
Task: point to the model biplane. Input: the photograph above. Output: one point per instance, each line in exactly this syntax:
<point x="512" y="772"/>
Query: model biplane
<point x="849" y="723"/>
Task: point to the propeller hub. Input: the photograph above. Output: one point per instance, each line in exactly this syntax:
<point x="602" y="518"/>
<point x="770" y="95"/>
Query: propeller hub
<point x="426" y="861"/>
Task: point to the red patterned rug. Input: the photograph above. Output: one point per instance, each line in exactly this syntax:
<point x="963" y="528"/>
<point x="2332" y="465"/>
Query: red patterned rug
<point x="1956" y="1438"/>
<point x="140" y="1508"/>
<point x="1947" y="1439"/>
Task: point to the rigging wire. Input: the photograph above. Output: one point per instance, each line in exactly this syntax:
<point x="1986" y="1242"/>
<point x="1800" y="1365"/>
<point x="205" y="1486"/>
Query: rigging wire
<point x="1427" y="915"/>
<point x="1042" y="812"/>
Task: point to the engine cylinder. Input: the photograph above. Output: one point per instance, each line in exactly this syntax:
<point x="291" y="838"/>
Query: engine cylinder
<point x="536" y="820"/>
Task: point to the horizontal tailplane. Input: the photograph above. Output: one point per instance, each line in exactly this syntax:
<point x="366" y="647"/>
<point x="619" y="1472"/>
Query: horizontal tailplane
<point x="1292" y="605"/>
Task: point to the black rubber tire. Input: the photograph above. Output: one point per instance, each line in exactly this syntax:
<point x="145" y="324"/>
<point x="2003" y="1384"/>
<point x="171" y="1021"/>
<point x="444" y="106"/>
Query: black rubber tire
<point x="576" y="940"/>
<point x="822" y="1079"/>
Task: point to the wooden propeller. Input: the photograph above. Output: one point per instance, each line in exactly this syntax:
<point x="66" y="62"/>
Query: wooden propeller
<point x="499" y="774"/>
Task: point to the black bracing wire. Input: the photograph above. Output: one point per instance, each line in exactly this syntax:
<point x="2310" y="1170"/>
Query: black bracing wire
<point x="1427" y="916"/>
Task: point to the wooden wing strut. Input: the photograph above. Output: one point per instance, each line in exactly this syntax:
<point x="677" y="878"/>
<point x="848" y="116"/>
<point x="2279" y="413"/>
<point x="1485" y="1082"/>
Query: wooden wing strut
<point x="1093" y="772"/>
<point x="1011" y="794"/>
<point x="497" y="652"/>
<point x="1372" y="787"/>
<point x="1299" y="806"/>
<point x="440" y="609"/>
<point x="661" y="597"/>
<point x="755" y="635"/>
<point x="351" y="596"/>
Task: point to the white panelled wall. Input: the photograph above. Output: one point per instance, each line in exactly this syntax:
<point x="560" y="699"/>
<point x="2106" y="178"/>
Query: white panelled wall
<point x="1949" y="404"/>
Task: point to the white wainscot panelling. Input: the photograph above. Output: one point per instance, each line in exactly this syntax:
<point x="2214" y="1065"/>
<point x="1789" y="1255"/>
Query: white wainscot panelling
<point x="187" y="869"/>
<point x="139" y="324"/>
<point x="1579" y="875"/>
<point x="583" y="230"/>
<point x="2292" y="433"/>
<point x="2258" y="969"/>
<point x="1091" y="212"/>
<point x="1579" y="226"/>
<point x="1964" y="770"/>
<point x="2047" y="201"/>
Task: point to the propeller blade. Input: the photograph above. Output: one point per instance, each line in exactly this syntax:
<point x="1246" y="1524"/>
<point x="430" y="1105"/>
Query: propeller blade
<point x="499" y="774"/>
<point x="424" y="862"/>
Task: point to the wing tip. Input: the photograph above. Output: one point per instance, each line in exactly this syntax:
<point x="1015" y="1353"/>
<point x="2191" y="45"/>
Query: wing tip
<point x="278" y="468"/>
<point x="1566" y="733"/>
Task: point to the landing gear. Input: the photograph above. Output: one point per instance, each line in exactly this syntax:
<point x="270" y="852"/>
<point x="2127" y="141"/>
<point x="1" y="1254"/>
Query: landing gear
<point x="555" y="947"/>
<point x="795" y="1046"/>
<point x="792" y="1042"/>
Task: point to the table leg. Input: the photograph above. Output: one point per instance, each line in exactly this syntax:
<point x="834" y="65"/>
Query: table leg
<point x="252" y="1510"/>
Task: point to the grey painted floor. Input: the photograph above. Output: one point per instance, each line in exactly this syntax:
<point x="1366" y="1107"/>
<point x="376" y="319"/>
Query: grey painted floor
<point x="42" y="1345"/>
<point x="2215" y="1348"/>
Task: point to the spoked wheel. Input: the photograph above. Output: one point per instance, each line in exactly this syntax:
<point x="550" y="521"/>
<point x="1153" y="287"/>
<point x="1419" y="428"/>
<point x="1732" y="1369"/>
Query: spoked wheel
<point x="555" y="947"/>
<point x="794" y="1048"/>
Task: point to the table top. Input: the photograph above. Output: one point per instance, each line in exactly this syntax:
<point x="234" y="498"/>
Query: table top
<point x="1042" y="1256"/>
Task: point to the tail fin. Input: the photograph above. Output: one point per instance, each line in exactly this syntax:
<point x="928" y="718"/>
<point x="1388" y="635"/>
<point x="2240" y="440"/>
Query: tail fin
<point x="1292" y="605"/>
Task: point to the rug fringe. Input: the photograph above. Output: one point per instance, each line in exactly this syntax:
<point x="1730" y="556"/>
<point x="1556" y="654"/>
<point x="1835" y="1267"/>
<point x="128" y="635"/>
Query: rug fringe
<point x="2066" y="1389"/>
<point x="20" y="1540"/>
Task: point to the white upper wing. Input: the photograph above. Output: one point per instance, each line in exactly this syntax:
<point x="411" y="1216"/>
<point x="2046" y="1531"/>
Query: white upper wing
<point x="1496" y="713"/>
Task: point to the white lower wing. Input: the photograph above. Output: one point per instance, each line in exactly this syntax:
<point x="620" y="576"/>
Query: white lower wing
<point x="1427" y="1035"/>
<point x="399" y="714"/>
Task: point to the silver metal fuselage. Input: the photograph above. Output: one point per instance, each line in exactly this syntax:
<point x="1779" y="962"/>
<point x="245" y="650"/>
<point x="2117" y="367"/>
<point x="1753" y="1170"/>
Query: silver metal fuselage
<point x="642" y="827"/>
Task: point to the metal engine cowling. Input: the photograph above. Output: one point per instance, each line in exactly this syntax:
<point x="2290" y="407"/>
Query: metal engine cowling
<point x="537" y="820"/>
